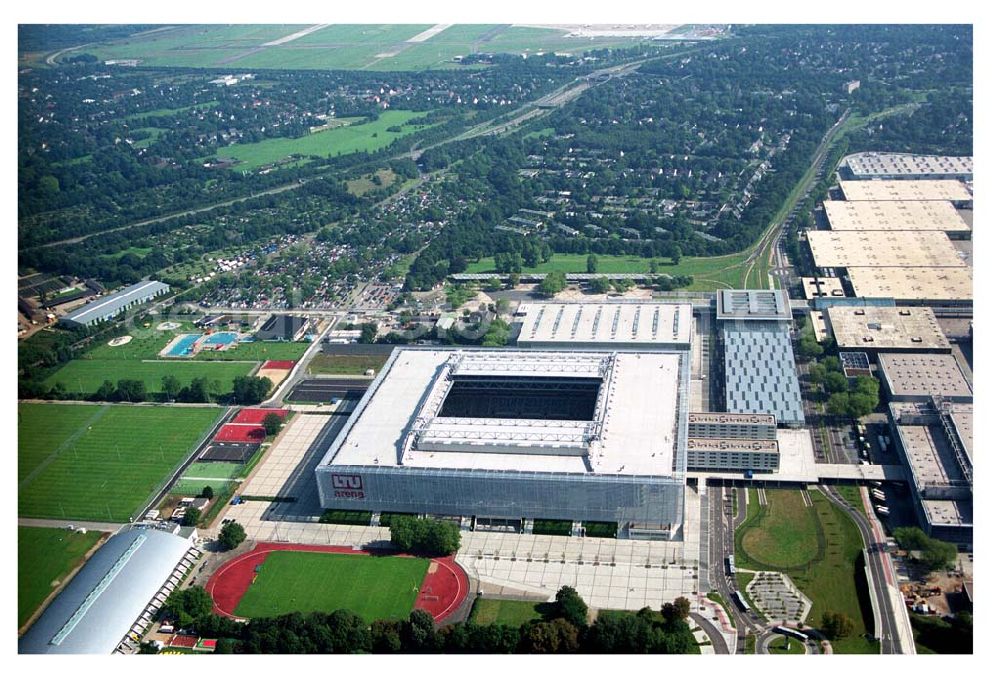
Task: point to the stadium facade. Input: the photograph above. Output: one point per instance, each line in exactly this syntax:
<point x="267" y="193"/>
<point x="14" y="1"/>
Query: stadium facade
<point x="584" y="435"/>
<point x="109" y="307"/>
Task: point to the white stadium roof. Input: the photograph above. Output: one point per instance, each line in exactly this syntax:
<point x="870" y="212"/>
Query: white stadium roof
<point x="634" y="430"/>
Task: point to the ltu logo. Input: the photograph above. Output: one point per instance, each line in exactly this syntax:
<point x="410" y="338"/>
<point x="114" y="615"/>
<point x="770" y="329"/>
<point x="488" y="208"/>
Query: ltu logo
<point x="348" y="486"/>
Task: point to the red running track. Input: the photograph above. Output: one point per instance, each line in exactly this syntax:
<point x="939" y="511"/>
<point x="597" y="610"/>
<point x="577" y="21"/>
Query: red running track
<point x="255" y="415"/>
<point x="442" y="592"/>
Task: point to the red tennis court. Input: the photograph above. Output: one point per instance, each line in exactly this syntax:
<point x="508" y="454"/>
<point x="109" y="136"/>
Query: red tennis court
<point x="252" y="415"/>
<point x="279" y="364"/>
<point x="240" y="432"/>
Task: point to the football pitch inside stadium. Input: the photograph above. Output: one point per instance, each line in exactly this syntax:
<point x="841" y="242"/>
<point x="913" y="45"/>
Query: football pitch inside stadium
<point x="372" y="587"/>
<point x="100" y="462"/>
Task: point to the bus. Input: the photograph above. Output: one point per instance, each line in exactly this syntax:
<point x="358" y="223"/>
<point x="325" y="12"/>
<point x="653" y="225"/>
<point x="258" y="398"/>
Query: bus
<point x="882" y="510"/>
<point x="878" y="495"/>
<point x="794" y="634"/>
<point x="730" y="566"/>
<point x="741" y="603"/>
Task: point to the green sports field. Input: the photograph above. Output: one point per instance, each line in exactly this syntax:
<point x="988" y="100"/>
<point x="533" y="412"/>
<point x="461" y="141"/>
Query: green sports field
<point x="100" y="462"/>
<point x="45" y="556"/>
<point x="85" y="376"/>
<point x="372" y="587"/>
<point x="201" y="475"/>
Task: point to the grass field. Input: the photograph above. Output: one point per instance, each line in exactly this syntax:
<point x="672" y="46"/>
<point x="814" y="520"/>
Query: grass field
<point x="786" y="647"/>
<point x="201" y="475"/>
<point x="343" y="46"/>
<point x="506" y="611"/>
<point x="709" y="273"/>
<point x="830" y="578"/>
<point x="366" y="184"/>
<point x="86" y="376"/>
<point x="372" y="587"/>
<point x="786" y="535"/>
<point x="346" y="364"/>
<point x="257" y="351"/>
<point x="43" y="557"/>
<point x="342" y="140"/>
<point x="94" y="462"/>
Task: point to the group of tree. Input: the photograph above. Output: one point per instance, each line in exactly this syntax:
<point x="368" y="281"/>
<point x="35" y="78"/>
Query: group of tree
<point x="272" y="423"/>
<point x="930" y="553"/>
<point x="553" y="283"/>
<point x="563" y="628"/>
<point x="231" y="535"/>
<point x="251" y="389"/>
<point x="425" y="536"/>
<point x="185" y="605"/>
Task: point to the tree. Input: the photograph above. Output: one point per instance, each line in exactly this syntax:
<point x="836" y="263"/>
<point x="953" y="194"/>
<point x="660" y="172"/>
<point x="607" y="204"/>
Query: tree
<point x="676" y="612"/>
<point x="368" y="332"/>
<point x="600" y="285"/>
<point x="552" y="284"/>
<point x="675" y="255"/>
<point x="131" y="390"/>
<point x="386" y="636"/>
<point x="570" y="605"/>
<point x="106" y="393"/>
<point x="808" y="346"/>
<point x="272" y="423"/>
<point x="194" y="601"/>
<point x="191" y="517"/>
<point x="171" y="386"/>
<point x="514" y="279"/>
<point x="250" y="389"/>
<point x="591" y="263"/>
<point x="231" y="535"/>
<point x="208" y="492"/>
<point x="835" y="382"/>
<point x="432" y="537"/>
<point x="654" y="266"/>
<point x="933" y="554"/>
<point x="836" y="625"/>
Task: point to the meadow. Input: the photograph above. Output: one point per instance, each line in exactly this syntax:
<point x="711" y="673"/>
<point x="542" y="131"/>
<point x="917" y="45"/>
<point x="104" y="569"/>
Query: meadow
<point x="45" y="556"/>
<point x="369" y="136"/>
<point x="100" y="462"/>
<point x="85" y="376"/>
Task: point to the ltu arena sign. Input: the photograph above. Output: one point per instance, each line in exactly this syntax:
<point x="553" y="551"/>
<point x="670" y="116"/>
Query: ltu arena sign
<point x="348" y="486"/>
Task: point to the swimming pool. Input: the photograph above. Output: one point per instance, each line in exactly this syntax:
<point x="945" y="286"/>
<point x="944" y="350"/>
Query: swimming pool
<point x="222" y="338"/>
<point x="183" y="347"/>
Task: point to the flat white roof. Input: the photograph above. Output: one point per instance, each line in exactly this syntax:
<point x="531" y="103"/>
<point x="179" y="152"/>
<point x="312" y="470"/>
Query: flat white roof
<point x="605" y="323"/>
<point x="871" y="328"/>
<point x="842" y="249"/>
<point x="894" y="215"/>
<point x="895" y="164"/>
<point x="912" y="284"/>
<point x="822" y="287"/>
<point x="635" y="431"/>
<point x="920" y="374"/>
<point x="920" y="189"/>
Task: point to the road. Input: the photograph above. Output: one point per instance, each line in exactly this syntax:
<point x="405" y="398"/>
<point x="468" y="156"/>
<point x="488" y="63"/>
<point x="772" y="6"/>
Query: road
<point x="770" y="241"/>
<point x="724" y="517"/>
<point x="882" y="577"/>
<point x="64" y="524"/>
<point x="718" y="641"/>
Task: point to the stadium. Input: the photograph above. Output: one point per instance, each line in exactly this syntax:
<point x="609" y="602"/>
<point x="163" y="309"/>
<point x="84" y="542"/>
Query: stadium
<point x="585" y="435"/>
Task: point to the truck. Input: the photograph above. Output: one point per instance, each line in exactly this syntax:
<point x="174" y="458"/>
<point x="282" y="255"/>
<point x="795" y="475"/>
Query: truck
<point x="882" y="510"/>
<point x="878" y="494"/>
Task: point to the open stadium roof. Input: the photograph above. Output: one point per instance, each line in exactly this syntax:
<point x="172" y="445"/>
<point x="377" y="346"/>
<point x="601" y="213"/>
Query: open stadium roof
<point x="632" y="427"/>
